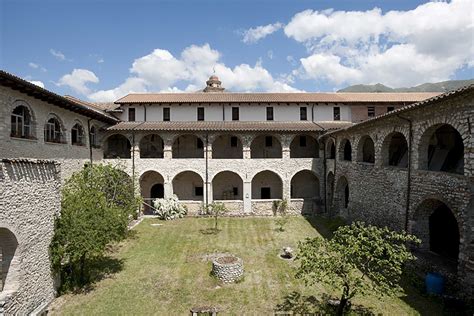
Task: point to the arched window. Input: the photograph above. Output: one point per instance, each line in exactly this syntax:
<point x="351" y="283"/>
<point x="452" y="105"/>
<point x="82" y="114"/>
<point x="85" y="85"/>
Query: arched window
<point x="93" y="137"/>
<point x="52" y="131"/>
<point x="151" y="146"/>
<point x="117" y="146"/>
<point x="345" y="150"/>
<point x="77" y="135"/>
<point x="330" y="150"/>
<point x="304" y="146"/>
<point x="265" y="146"/>
<point x="21" y="123"/>
<point x="366" y="150"/>
<point x="395" y="150"/>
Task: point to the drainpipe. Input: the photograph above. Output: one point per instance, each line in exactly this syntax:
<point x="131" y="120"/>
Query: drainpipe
<point x="90" y="143"/>
<point x="223" y="112"/>
<point x="335" y="168"/>
<point x="407" y="206"/>
<point x="207" y="170"/>
<point x="312" y="113"/>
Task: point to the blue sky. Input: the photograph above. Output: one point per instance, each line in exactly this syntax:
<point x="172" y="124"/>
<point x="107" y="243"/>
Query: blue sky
<point x="100" y="50"/>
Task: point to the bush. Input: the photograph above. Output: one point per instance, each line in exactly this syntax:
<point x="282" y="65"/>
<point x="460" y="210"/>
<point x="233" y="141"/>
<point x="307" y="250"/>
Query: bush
<point x="280" y="210"/>
<point x="169" y="208"/>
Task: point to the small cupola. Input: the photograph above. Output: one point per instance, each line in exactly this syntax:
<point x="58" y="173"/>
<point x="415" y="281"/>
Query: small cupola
<point x="213" y="85"/>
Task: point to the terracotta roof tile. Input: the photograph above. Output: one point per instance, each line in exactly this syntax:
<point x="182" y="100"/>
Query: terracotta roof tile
<point x="274" y="97"/>
<point x="236" y="126"/>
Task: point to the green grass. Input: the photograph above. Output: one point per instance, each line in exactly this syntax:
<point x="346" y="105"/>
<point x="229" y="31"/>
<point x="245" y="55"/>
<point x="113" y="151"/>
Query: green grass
<point x="164" y="272"/>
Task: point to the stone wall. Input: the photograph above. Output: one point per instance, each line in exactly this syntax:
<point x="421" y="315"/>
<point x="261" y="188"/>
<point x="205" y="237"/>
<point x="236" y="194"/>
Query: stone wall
<point x="30" y="192"/>
<point x="378" y="192"/>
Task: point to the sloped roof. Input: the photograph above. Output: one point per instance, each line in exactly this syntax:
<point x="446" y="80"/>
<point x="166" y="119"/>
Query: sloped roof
<point x="227" y="97"/>
<point x="236" y="126"/>
<point x="71" y="104"/>
<point x="428" y="102"/>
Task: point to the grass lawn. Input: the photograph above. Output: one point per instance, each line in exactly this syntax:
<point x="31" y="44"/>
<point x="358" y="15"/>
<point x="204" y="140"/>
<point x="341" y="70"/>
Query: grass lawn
<point x="163" y="270"/>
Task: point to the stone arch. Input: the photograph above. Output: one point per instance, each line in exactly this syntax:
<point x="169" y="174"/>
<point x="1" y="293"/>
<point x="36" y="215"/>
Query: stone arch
<point x="188" y="186"/>
<point x="151" y="188"/>
<point x="227" y="185"/>
<point x="151" y="146"/>
<point x="22" y="121"/>
<point x="267" y="185"/>
<point x="54" y="131"/>
<point x="395" y="150"/>
<point x="330" y="149"/>
<point x="78" y="135"/>
<point x="266" y="146"/>
<point x="305" y="185"/>
<point x="330" y="189"/>
<point x="117" y="146"/>
<point x="188" y="146"/>
<point x="435" y="223"/>
<point x="366" y="150"/>
<point x="342" y="197"/>
<point x="345" y="150"/>
<point x="304" y="146"/>
<point x="441" y="148"/>
<point x="9" y="261"/>
<point x="227" y="146"/>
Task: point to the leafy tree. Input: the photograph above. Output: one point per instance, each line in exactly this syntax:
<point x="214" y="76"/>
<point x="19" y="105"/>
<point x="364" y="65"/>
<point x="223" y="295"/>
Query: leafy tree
<point x="215" y="209"/>
<point x="280" y="210"/>
<point x="358" y="259"/>
<point x="96" y="207"/>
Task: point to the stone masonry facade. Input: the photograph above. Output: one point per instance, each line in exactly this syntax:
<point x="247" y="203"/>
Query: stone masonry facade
<point x="30" y="191"/>
<point x="377" y="192"/>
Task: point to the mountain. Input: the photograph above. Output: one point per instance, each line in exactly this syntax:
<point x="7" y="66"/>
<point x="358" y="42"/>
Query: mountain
<point x="425" y="87"/>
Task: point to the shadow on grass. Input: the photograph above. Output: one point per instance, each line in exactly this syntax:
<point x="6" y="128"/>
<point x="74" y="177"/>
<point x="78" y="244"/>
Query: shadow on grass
<point x="97" y="269"/>
<point x="325" y="226"/>
<point x="295" y="303"/>
<point x="210" y="231"/>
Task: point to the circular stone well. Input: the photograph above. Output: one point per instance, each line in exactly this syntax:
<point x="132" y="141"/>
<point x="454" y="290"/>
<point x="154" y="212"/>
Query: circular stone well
<point x="228" y="268"/>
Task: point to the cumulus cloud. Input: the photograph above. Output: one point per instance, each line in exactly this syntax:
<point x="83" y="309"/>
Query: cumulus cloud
<point x="57" y="54"/>
<point x="398" y="48"/>
<point x="255" y="34"/>
<point x="37" y="82"/>
<point x="78" y="79"/>
<point x="161" y="71"/>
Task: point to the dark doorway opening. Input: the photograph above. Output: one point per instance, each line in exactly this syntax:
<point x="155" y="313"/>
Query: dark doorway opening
<point x="444" y="233"/>
<point x="157" y="191"/>
<point x="265" y="193"/>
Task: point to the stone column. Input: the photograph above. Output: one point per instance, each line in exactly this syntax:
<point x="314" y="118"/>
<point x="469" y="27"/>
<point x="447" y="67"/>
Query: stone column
<point x="246" y="143"/>
<point x="286" y="187"/>
<point x="208" y="188"/>
<point x="285" y="146"/>
<point x="167" y="151"/>
<point x="168" y="189"/>
<point x="247" y="195"/>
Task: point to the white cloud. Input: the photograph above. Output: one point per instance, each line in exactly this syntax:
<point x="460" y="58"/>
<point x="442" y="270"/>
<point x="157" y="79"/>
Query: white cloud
<point x="255" y="34"/>
<point x="398" y="48"/>
<point x="160" y="71"/>
<point x="58" y="54"/>
<point x="37" y="82"/>
<point x="78" y="79"/>
<point x="37" y="66"/>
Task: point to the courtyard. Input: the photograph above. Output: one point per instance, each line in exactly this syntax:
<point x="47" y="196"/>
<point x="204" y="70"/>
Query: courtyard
<point x="164" y="268"/>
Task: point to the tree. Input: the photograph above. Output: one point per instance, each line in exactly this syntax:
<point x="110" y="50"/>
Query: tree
<point x="358" y="259"/>
<point x="216" y="209"/>
<point x="96" y="207"/>
<point x="280" y="210"/>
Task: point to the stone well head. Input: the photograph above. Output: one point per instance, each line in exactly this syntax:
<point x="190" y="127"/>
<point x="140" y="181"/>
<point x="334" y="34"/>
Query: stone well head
<point x="228" y="268"/>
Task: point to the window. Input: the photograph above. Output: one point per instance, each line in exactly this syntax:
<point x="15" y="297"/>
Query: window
<point x="390" y="109"/>
<point x="21" y="122"/>
<point x="371" y="111"/>
<point x="303" y="113"/>
<point x="269" y="113"/>
<point x="199" y="143"/>
<point x="235" y="191"/>
<point x="93" y="137"/>
<point x="166" y="114"/>
<point x="198" y="191"/>
<point x="52" y="131"/>
<point x="200" y="114"/>
<point x="233" y="141"/>
<point x="235" y="113"/>
<point x="265" y="193"/>
<point x="302" y="141"/>
<point x="268" y="141"/>
<point x="337" y="113"/>
<point x="131" y="114"/>
<point x="77" y="135"/>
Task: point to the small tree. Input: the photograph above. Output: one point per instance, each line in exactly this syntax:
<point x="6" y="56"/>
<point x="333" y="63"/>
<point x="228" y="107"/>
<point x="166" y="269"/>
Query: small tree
<point x="359" y="259"/>
<point x="280" y="210"/>
<point x="96" y="207"/>
<point x="215" y="209"/>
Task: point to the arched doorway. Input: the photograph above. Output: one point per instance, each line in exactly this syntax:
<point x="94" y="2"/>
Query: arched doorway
<point x="152" y="187"/>
<point x="117" y="146"/>
<point x="188" y="146"/>
<point x="227" y="147"/>
<point x="341" y="200"/>
<point x="9" y="261"/>
<point x="227" y="185"/>
<point x="151" y="146"/>
<point x="265" y="146"/>
<point x="188" y="186"/>
<point x="304" y="146"/>
<point x="435" y="224"/>
<point x="395" y="150"/>
<point x="366" y="152"/>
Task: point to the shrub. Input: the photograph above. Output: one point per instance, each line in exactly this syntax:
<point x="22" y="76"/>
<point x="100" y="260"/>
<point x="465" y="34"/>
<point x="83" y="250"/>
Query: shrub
<point x="169" y="208"/>
<point x="280" y="210"/>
